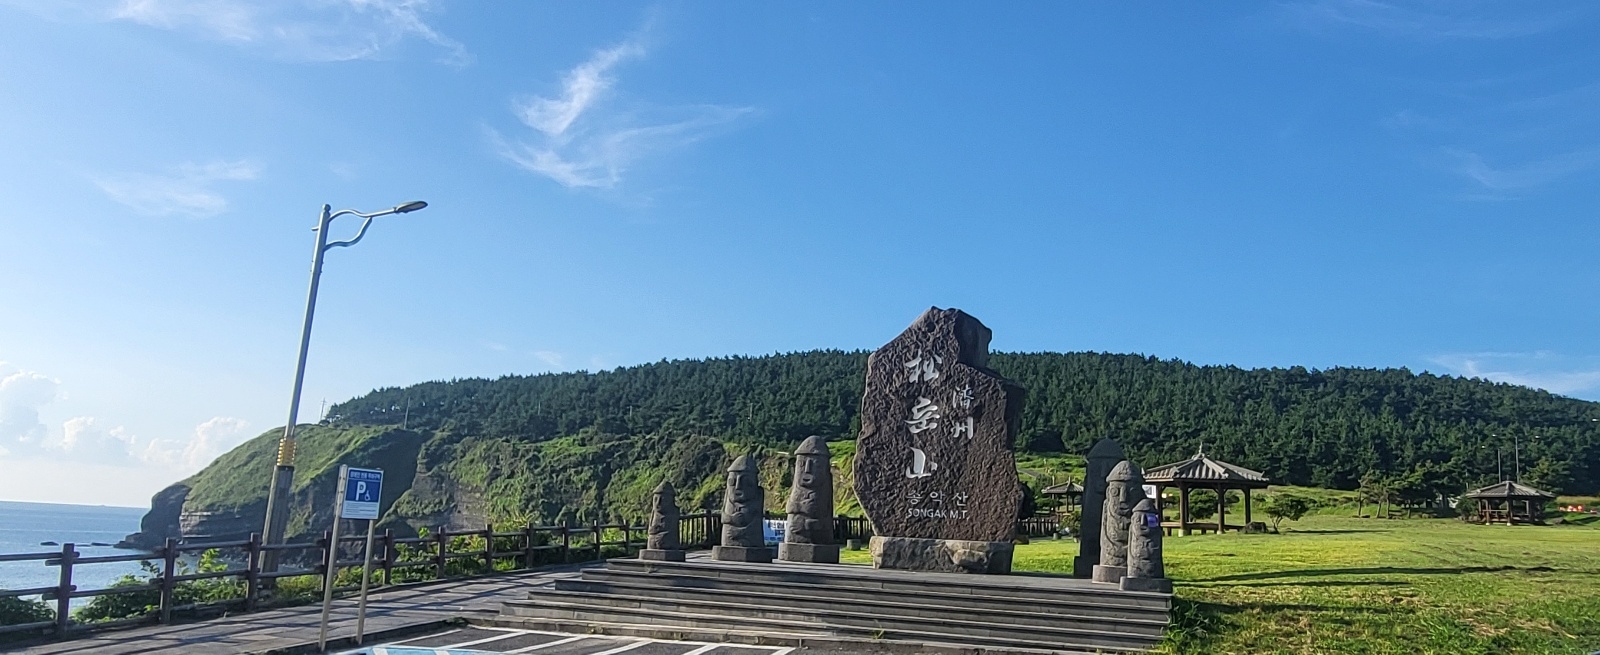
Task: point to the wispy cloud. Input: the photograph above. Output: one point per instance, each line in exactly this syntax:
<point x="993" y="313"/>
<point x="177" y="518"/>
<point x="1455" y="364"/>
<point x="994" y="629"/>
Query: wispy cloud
<point x="188" y="190"/>
<point x="1540" y="369"/>
<point x="579" y="141"/>
<point x="303" y="30"/>
<point x="1427" y="21"/>
<point x="1524" y="176"/>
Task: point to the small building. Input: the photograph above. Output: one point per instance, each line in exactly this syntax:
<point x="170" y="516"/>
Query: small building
<point x="1202" y="472"/>
<point x="1508" y="502"/>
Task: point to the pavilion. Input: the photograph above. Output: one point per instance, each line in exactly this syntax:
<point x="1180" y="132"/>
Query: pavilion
<point x="1067" y="494"/>
<point x="1499" y="503"/>
<point x="1202" y="472"/>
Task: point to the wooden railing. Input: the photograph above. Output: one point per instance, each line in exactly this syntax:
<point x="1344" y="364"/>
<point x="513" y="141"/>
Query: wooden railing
<point x="440" y="555"/>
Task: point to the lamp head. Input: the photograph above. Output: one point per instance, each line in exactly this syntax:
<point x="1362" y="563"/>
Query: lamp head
<point x="410" y="207"/>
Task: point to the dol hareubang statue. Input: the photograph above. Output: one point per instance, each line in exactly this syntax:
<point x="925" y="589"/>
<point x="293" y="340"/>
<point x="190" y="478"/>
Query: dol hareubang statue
<point x="1124" y="490"/>
<point x="662" y="542"/>
<point x="743" y="537"/>
<point x="808" y="536"/>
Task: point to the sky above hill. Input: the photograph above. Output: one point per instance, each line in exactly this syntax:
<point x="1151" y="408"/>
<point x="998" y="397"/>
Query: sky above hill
<point x="1317" y="183"/>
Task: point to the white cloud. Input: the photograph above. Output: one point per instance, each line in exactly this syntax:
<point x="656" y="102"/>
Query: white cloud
<point x="299" y="30"/>
<point x="550" y="358"/>
<point x="579" y="142"/>
<point x="187" y="190"/>
<point x="22" y="394"/>
<point x="1540" y="370"/>
<point x="1528" y="175"/>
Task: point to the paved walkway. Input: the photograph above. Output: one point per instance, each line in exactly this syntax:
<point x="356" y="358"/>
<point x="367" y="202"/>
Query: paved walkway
<point x="478" y="640"/>
<point x="391" y="614"/>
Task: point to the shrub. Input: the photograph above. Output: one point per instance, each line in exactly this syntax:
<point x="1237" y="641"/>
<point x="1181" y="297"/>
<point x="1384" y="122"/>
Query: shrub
<point x="15" y="611"/>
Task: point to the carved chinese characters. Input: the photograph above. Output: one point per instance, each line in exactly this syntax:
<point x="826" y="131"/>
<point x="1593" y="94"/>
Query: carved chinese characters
<point x="662" y="542"/>
<point x="934" y="460"/>
<point x="808" y="536"/>
<point x="743" y="539"/>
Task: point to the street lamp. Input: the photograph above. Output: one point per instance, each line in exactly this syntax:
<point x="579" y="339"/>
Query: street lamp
<point x="283" y="474"/>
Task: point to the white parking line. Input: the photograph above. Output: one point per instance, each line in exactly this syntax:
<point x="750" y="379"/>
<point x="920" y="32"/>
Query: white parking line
<point x="485" y="640"/>
<point x="429" y="636"/>
<point x="619" y="649"/>
<point x="548" y="644"/>
<point x="783" y="650"/>
<point x="701" y="650"/>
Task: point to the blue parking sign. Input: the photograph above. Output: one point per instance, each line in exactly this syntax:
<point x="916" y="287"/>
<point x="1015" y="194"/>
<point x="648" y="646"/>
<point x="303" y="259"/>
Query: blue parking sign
<point x="363" y="490"/>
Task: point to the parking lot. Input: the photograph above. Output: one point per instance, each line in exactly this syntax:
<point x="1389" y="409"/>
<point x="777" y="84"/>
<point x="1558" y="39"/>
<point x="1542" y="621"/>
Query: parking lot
<point x="477" y="640"/>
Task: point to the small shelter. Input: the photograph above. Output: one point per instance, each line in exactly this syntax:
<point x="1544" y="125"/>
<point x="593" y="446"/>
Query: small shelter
<point x="1067" y="495"/>
<point x="1509" y="502"/>
<point x="1202" y="472"/>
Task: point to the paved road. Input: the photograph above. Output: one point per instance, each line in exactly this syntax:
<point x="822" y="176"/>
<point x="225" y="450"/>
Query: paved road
<point x="477" y="640"/>
<point x="414" y="609"/>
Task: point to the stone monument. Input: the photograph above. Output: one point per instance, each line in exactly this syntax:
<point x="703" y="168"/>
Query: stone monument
<point x="662" y="542"/>
<point x="808" y="536"/>
<point x="1124" y="489"/>
<point x="1145" y="569"/>
<point x="743" y="539"/>
<point x="934" y="468"/>
<point x="1104" y="455"/>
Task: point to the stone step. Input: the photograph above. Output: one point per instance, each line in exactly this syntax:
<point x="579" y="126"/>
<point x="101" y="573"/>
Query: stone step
<point x="1056" y="609"/>
<point x="928" y="605"/>
<point x="691" y="613"/>
<point x="1032" y="587"/>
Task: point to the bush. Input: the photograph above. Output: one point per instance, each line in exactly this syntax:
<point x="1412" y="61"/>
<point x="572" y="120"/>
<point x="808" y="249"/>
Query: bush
<point x="1285" y="506"/>
<point x="16" y="611"/>
<point x="120" y="606"/>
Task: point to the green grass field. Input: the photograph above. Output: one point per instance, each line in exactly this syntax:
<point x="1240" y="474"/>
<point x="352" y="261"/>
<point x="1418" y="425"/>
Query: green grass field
<point x="1344" y="585"/>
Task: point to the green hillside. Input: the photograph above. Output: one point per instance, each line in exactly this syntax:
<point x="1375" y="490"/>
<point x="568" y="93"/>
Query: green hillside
<point x="585" y="446"/>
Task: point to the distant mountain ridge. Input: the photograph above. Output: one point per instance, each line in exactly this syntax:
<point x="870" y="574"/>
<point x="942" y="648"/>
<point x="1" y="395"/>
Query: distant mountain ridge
<point x="581" y="445"/>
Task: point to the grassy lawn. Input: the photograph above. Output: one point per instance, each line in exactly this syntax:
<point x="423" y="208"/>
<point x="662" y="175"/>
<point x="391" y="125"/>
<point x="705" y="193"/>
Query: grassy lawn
<point x="1344" y="585"/>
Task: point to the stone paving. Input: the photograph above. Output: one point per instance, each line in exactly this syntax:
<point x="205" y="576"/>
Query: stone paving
<point x="475" y="640"/>
<point x="391" y="614"/>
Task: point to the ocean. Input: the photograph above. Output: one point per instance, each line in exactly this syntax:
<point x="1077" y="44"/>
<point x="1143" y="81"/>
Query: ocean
<point x="25" y="526"/>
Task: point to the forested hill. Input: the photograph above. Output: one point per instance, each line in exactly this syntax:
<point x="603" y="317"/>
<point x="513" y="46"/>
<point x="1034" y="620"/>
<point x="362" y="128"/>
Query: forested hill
<point x="1324" y="428"/>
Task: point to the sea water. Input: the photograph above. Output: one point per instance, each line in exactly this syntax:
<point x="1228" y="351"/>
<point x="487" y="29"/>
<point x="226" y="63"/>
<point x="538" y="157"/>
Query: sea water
<point x="26" y="527"/>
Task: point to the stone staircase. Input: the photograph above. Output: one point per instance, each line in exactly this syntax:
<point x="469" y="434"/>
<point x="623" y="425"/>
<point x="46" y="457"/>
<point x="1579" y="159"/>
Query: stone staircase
<point x="788" y="603"/>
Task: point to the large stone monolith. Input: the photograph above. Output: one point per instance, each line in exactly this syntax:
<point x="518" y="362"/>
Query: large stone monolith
<point x="934" y="468"/>
<point x="1104" y="455"/>
<point x="743" y="537"/>
<point x="808" y="535"/>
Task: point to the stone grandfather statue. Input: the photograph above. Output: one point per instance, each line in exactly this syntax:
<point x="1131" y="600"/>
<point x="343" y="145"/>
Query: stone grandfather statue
<point x="1146" y="572"/>
<point x="743" y="537"/>
<point x="662" y="542"/>
<point x="1124" y="489"/>
<point x="808" y="536"/>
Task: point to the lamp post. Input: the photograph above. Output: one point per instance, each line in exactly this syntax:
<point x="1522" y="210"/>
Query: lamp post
<point x="283" y="474"/>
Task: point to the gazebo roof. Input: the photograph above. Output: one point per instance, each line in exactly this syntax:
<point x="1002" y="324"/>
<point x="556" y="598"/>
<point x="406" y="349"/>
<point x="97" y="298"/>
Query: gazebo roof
<point x="1509" y="489"/>
<point x="1068" y="488"/>
<point x="1201" y="469"/>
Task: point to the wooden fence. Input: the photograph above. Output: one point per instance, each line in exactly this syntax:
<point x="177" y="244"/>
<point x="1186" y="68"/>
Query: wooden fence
<point x="396" y="560"/>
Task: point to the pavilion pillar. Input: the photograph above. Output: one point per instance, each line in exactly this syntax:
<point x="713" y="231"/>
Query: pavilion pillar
<point x="1183" y="510"/>
<point x="1222" y="510"/>
<point x="1247" y="508"/>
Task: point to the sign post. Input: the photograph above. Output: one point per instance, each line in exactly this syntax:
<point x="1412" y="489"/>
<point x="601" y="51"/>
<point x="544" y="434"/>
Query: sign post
<point x="360" y="493"/>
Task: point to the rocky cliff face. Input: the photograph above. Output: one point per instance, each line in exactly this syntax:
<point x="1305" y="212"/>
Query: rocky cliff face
<point x="162" y="521"/>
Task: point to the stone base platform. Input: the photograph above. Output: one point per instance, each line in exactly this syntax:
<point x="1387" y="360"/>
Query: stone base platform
<point x="988" y="613"/>
<point x="741" y="553"/>
<point x="663" y="555"/>
<point x="812" y="553"/>
<point x="945" y="555"/>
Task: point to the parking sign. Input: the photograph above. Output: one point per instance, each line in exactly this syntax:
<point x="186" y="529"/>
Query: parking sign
<point x="363" y="489"/>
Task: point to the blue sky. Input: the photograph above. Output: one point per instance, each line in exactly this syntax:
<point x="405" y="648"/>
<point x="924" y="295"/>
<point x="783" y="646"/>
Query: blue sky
<point x="1295" y="183"/>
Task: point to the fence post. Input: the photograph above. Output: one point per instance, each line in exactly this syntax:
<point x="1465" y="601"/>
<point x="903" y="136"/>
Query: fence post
<point x="527" y="553"/>
<point x="330" y="553"/>
<point x="566" y="545"/>
<point x="594" y="540"/>
<point x="627" y="538"/>
<point x="488" y="548"/>
<point x="169" y="568"/>
<point x="441" y="541"/>
<point x="252" y="571"/>
<point x="64" y="589"/>
<point x="388" y="556"/>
